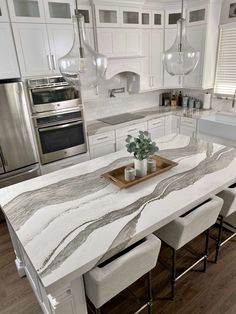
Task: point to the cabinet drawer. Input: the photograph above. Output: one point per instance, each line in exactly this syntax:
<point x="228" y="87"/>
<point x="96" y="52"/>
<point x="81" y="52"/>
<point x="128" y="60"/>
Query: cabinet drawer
<point x="131" y="130"/>
<point x="189" y="122"/>
<point x="101" y="138"/>
<point x="102" y="149"/>
<point x="156" y="123"/>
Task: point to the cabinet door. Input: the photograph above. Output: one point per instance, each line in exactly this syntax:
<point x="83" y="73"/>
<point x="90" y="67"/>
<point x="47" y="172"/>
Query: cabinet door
<point x="59" y="11"/>
<point x="61" y="40"/>
<point x="102" y="149"/>
<point x="120" y="144"/>
<point x="146" y="19"/>
<point x="130" y="17"/>
<point x="157" y="132"/>
<point x="145" y="79"/>
<point x="197" y="15"/>
<point x="168" y="125"/>
<point x="187" y="130"/>
<point x="26" y="11"/>
<point x="8" y="60"/>
<point x="3" y="11"/>
<point x="156" y="58"/>
<point x="86" y="11"/>
<point x="169" y="80"/>
<point x="171" y="18"/>
<point x="33" y="49"/>
<point x="107" y="16"/>
<point x="157" y="19"/>
<point x="175" y="126"/>
<point x="196" y="37"/>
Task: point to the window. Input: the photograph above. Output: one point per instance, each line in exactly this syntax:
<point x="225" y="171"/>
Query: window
<point x="225" y="82"/>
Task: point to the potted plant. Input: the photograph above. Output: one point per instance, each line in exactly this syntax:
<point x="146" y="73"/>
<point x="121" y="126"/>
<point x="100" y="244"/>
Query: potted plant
<point x="142" y="147"/>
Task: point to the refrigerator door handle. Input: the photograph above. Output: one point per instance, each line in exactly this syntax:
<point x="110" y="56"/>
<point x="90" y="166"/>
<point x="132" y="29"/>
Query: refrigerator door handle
<point x="5" y="163"/>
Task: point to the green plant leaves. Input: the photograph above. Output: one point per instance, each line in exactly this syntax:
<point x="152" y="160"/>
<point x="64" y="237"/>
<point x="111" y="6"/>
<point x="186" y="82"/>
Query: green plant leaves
<point x="142" y="146"/>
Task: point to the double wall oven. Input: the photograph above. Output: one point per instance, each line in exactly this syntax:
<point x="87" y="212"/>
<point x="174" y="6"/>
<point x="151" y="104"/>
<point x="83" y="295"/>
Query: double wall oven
<point x="57" y="118"/>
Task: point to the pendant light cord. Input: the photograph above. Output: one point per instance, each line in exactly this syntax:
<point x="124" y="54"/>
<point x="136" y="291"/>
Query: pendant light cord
<point x="181" y="25"/>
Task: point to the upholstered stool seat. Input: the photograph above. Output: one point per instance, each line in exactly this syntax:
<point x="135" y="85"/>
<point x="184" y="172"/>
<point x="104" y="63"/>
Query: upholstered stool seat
<point x="185" y="228"/>
<point x="110" y="278"/>
<point x="229" y="207"/>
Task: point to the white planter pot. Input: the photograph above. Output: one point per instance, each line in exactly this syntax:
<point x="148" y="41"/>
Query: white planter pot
<point x="140" y="167"/>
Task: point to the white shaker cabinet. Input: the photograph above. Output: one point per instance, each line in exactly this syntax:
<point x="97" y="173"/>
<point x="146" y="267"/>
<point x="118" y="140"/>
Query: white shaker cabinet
<point x="102" y="144"/>
<point x="121" y="134"/>
<point x="30" y="11"/>
<point x="156" y="128"/>
<point x="8" y="60"/>
<point x="3" y="11"/>
<point x="188" y="126"/>
<point x="61" y="40"/>
<point x="169" y="80"/>
<point x="196" y="36"/>
<point x="152" y="67"/>
<point x="59" y="11"/>
<point x="33" y="49"/>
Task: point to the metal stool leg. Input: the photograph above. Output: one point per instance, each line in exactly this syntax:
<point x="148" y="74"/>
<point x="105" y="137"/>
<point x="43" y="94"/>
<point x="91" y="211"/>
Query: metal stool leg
<point x="150" y="299"/>
<point x="206" y="249"/>
<point x="173" y="279"/>
<point x="218" y="244"/>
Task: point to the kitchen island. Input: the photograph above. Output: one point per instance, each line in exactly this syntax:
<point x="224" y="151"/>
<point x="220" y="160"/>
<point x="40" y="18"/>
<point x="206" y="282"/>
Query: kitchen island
<point x="65" y="223"/>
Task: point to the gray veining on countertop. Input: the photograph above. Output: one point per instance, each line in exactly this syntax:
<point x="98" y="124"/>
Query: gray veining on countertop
<point x="69" y="220"/>
<point x="97" y="127"/>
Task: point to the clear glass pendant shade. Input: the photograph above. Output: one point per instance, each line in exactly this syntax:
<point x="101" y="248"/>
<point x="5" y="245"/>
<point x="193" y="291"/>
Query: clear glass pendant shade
<point x="181" y="58"/>
<point x="82" y="66"/>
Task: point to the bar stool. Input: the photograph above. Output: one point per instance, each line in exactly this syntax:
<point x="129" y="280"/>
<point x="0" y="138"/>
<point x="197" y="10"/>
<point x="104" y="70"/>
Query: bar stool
<point x="116" y="274"/>
<point x="229" y="207"/>
<point x="182" y="230"/>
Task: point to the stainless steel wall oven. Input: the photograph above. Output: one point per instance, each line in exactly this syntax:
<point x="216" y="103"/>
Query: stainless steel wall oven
<point x="50" y="94"/>
<point x="60" y="134"/>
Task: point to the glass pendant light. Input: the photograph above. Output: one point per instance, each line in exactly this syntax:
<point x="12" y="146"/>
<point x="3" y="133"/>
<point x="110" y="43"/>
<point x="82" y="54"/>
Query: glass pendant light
<point x="82" y="66"/>
<point x="181" y="58"/>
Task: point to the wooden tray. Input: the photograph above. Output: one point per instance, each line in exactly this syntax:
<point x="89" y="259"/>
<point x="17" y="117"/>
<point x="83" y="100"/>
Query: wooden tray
<point x="117" y="176"/>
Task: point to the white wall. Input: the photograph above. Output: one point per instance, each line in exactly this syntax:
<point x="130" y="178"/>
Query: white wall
<point x="224" y="19"/>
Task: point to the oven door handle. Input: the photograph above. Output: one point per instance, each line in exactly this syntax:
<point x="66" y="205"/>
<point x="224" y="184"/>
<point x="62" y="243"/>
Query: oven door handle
<point x="50" y="88"/>
<point x="62" y="126"/>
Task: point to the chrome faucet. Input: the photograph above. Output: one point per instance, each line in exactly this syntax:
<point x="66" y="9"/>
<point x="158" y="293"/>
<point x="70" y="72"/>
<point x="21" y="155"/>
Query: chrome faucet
<point x="234" y="100"/>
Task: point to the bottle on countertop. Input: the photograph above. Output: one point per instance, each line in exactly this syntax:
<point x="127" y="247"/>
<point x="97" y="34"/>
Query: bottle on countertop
<point x="173" y="100"/>
<point x="180" y="99"/>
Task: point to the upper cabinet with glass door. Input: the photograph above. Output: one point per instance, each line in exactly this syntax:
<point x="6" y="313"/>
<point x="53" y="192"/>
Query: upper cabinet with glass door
<point x="59" y="11"/>
<point x="87" y="13"/>
<point x="157" y="19"/>
<point x="107" y="16"/>
<point x="171" y="17"/>
<point x="197" y="15"/>
<point x="3" y="11"/>
<point x="26" y="11"/>
<point x="130" y="17"/>
<point x="146" y="18"/>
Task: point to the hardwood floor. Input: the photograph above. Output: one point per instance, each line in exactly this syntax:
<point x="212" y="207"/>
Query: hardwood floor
<point x="213" y="292"/>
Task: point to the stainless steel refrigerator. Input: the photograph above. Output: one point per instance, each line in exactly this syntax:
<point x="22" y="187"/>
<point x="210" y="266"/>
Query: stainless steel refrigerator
<point x="18" y="159"/>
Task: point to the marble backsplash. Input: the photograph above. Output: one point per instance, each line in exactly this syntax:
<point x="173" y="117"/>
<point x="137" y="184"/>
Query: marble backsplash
<point x="105" y="107"/>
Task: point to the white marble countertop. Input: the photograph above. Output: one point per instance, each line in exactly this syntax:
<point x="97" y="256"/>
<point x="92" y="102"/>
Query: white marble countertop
<point x="97" y="127"/>
<point x="69" y="220"/>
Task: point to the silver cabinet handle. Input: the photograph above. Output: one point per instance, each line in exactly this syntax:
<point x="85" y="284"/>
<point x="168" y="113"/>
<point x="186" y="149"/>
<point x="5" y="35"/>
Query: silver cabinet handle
<point x="102" y="138"/>
<point x="150" y="81"/>
<point x="54" y="62"/>
<point x="132" y="130"/>
<point x="5" y="163"/>
<point x="49" y="62"/>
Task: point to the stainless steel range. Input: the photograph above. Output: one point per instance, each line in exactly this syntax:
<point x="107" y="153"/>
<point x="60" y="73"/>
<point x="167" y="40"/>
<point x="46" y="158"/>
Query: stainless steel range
<point x="51" y="93"/>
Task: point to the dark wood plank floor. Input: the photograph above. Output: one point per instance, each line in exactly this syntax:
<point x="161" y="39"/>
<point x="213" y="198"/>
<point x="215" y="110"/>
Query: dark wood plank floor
<point x="213" y="292"/>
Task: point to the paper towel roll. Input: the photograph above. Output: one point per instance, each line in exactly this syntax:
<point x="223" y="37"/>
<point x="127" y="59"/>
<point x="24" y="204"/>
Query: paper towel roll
<point x="207" y="101"/>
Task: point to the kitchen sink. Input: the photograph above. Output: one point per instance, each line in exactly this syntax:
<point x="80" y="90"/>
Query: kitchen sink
<point x="219" y="125"/>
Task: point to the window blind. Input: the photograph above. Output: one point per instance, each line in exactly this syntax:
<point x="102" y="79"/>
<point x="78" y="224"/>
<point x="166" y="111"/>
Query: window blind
<point x="225" y="82"/>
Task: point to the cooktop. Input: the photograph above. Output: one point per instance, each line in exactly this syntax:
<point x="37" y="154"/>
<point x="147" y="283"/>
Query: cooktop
<point x="121" y="118"/>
